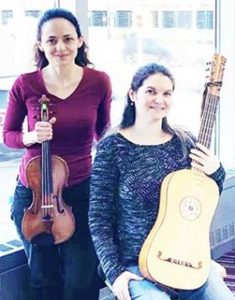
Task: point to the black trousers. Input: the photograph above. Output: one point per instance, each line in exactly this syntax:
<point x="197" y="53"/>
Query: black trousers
<point x="67" y="271"/>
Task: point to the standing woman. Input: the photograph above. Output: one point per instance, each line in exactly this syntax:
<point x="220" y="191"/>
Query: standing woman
<point x="127" y="173"/>
<point x="79" y="108"/>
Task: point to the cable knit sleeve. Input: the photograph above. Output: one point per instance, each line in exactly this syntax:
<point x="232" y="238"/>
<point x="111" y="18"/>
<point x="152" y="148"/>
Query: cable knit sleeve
<point x="219" y="177"/>
<point x="104" y="183"/>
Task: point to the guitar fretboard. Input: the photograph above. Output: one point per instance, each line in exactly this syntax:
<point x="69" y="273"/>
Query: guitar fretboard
<point x="208" y="120"/>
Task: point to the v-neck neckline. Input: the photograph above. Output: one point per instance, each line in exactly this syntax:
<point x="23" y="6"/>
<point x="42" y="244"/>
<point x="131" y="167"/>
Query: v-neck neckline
<point x="71" y="94"/>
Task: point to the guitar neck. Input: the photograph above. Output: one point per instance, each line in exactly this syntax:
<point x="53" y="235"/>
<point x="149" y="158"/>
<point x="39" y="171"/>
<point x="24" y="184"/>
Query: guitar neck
<point x="208" y="120"/>
<point x="211" y="100"/>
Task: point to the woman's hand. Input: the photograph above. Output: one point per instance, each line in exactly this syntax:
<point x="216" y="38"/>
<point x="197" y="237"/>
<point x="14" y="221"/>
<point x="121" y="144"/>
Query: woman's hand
<point x="120" y="285"/>
<point x="204" y="160"/>
<point x="42" y="132"/>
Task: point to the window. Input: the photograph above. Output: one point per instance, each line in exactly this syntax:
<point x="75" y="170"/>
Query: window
<point x="122" y="35"/>
<point x="177" y="19"/>
<point x="123" y="18"/>
<point x="180" y="34"/>
<point x="204" y="19"/>
<point x="155" y="20"/>
<point x="184" y="19"/>
<point x="169" y="19"/>
<point x="164" y="32"/>
<point x="3" y="104"/>
<point x="3" y="98"/>
<point x="225" y="43"/>
<point x="99" y="18"/>
<point x="6" y="15"/>
<point x="32" y="13"/>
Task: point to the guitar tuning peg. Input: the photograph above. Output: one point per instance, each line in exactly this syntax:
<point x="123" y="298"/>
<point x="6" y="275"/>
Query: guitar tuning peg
<point x="207" y="69"/>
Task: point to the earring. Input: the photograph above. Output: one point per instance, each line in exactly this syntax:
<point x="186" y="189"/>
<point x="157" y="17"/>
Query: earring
<point x="132" y="103"/>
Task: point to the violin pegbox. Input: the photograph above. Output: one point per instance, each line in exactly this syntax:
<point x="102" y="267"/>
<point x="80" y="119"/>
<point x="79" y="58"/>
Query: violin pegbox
<point x="44" y="108"/>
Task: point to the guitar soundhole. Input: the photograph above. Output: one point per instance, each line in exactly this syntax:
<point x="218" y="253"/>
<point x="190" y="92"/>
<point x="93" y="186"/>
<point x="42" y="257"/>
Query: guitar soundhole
<point x="190" y="208"/>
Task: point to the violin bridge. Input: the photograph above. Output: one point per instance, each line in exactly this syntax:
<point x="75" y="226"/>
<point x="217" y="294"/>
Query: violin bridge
<point x="47" y="206"/>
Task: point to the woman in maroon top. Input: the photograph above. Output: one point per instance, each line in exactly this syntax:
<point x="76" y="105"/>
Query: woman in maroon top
<point x="79" y="109"/>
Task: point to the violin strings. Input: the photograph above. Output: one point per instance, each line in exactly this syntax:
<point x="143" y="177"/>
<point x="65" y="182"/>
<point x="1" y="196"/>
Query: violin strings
<point x="43" y="179"/>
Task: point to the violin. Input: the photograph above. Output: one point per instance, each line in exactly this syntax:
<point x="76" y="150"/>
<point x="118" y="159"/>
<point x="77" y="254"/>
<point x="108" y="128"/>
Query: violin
<point x="48" y="219"/>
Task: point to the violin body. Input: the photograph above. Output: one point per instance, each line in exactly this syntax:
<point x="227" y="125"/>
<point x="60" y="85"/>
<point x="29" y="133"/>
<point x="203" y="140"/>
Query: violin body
<point x="57" y="217"/>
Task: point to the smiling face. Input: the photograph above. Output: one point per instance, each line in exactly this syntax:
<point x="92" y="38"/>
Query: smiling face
<point x="59" y="42"/>
<point x="153" y="99"/>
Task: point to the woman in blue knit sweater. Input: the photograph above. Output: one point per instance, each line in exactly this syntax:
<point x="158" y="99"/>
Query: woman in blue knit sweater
<point x="128" y="170"/>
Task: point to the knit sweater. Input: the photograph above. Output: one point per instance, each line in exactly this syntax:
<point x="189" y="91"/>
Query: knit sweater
<point x="124" y="196"/>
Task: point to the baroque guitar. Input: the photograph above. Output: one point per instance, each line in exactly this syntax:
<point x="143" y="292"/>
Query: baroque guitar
<point x="176" y="253"/>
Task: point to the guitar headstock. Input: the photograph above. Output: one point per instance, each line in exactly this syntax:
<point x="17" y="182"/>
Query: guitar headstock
<point x="216" y="74"/>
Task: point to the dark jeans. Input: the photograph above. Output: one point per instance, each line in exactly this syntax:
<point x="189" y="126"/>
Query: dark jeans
<point x="66" y="271"/>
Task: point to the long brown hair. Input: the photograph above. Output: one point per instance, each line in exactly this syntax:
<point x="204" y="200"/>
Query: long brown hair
<point x="55" y="13"/>
<point x="129" y="114"/>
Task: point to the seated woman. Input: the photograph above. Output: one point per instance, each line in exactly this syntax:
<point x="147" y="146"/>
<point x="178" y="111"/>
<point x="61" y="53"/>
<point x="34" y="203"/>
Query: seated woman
<point x="127" y="173"/>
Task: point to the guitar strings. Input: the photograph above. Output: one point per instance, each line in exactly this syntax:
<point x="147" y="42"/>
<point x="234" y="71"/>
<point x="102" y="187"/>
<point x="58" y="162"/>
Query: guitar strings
<point x="208" y="114"/>
<point x="208" y="118"/>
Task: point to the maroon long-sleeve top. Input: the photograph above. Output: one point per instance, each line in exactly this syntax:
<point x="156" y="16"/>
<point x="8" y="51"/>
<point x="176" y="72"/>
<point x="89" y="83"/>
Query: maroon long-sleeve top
<point x="81" y="117"/>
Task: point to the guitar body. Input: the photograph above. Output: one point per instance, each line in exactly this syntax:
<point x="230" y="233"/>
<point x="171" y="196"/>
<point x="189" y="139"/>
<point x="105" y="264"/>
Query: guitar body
<point x="176" y="252"/>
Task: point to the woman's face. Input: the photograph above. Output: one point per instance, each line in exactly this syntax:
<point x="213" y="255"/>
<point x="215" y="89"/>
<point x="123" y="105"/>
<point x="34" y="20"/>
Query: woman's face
<point x="59" y="42"/>
<point x="153" y="99"/>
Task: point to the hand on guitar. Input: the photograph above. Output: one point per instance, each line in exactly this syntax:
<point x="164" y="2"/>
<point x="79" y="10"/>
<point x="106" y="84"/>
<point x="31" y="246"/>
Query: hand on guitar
<point x="42" y="132"/>
<point x="120" y="285"/>
<point x="204" y="160"/>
